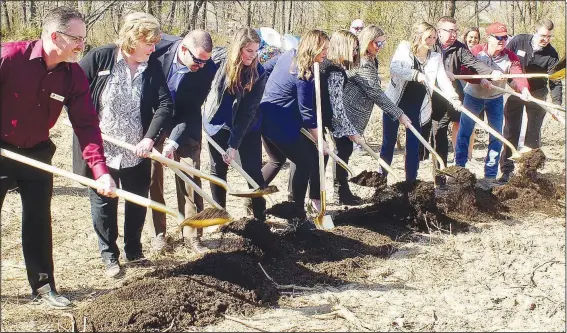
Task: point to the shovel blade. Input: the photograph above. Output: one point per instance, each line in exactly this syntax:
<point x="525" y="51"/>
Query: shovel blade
<point x="324" y="222"/>
<point x="203" y="223"/>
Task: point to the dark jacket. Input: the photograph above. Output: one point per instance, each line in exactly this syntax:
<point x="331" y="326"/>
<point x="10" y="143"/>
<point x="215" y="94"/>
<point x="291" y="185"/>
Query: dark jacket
<point x="541" y="61"/>
<point x="245" y="111"/>
<point x="326" y="69"/>
<point x="155" y="106"/>
<point x="191" y="92"/>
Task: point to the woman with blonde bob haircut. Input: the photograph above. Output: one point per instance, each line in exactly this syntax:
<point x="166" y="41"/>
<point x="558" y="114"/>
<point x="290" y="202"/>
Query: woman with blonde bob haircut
<point x="414" y="69"/>
<point x="362" y="91"/>
<point x="231" y="116"/>
<point x="133" y="103"/>
<point x="287" y="107"/>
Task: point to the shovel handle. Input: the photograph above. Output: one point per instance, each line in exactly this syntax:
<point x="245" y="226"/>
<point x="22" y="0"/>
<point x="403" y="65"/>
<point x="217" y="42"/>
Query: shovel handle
<point x="331" y="153"/>
<point x="532" y="99"/>
<point x="134" y="198"/>
<point x="197" y="189"/>
<point x="427" y="146"/>
<point x="233" y="163"/>
<point x="382" y="163"/>
<point x="505" y="76"/>
<point x="482" y="124"/>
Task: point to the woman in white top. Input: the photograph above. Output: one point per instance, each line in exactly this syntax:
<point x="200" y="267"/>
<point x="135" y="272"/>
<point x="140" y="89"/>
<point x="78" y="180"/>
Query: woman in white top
<point x="414" y="69"/>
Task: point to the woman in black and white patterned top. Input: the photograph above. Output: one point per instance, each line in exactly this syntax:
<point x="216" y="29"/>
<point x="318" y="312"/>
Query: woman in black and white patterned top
<point x="133" y="103"/>
<point x="342" y="56"/>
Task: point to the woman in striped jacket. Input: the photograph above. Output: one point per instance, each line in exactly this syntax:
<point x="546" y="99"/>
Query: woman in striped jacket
<point x="361" y="93"/>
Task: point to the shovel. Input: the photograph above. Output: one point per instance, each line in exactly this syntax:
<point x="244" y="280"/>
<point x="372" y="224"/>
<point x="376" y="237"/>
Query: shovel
<point x="545" y="105"/>
<point x="558" y="75"/>
<point x="331" y="153"/>
<point x="134" y="198"/>
<point x="482" y="124"/>
<point x="257" y="190"/>
<point x="322" y="221"/>
<point x="210" y="216"/>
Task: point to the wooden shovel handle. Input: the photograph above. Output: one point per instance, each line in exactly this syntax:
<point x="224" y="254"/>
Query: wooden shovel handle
<point x="532" y="99"/>
<point x="505" y="76"/>
<point x="134" y="198"/>
<point x="427" y="146"/>
<point x="331" y="153"/>
<point x="382" y="163"/>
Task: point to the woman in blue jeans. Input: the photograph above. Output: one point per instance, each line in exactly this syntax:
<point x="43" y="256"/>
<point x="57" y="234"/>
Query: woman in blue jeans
<point x="413" y="67"/>
<point x="479" y="96"/>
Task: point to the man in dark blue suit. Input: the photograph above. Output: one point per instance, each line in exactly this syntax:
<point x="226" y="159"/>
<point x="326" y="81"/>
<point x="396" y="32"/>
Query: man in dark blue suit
<point x="189" y="71"/>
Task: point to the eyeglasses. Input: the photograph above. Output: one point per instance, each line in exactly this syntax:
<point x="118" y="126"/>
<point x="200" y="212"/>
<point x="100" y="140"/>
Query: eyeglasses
<point x="76" y="39"/>
<point x="195" y="59"/>
<point x="357" y="28"/>
<point x="546" y="36"/>
<point x="500" y="38"/>
<point x="380" y="43"/>
<point x="452" y="32"/>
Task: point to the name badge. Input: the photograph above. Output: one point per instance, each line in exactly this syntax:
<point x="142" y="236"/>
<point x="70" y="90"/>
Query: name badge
<point x="521" y="53"/>
<point x="106" y="72"/>
<point x="57" y="97"/>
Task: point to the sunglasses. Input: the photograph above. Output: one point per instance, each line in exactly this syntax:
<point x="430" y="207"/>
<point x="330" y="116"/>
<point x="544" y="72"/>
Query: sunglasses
<point x="76" y="39"/>
<point x="500" y="38"/>
<point x="195" y="59"/>
<point x="357" y="28"/>
<point x="380" y="43"/>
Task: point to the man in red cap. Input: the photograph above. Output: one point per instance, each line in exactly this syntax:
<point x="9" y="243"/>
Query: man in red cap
<point x="479" y="95"/>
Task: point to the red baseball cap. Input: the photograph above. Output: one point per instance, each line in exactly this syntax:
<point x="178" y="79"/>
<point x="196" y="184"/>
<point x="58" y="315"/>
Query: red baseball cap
<point x="497" y="29"/>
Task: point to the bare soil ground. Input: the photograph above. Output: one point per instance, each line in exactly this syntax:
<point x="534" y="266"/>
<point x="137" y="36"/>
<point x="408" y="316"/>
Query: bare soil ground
<point x="407" y="260"/>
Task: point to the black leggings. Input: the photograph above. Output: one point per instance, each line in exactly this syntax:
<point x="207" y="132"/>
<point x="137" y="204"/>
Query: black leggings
<point x="250" y="152"/>
<point x="303" y="154"/>
<point x="344" y="151"/>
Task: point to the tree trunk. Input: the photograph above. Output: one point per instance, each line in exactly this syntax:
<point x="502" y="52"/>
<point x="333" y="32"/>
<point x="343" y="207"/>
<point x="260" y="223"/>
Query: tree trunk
<point x="452" y="7"/>
<point x="204" y="16"/>
<point x="196" y="7"/>
<point x="476" y="13"/>
<point x="216" y="13"/>
<point x="290" y="19"/>
<point x="148" y="7"/>
<point x="274" y="10"/>
<point x="7" y="15"/>
<point x="283" y="17"/>
<point x="25" y="12"/>
<point x="171" y="16"/>
<point x="249" y="14"/>
<point x="33" y="13"/>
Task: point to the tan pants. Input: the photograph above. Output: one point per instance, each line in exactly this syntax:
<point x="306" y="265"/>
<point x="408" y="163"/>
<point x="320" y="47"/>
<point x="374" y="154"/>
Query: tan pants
<point x="188" y="202"/>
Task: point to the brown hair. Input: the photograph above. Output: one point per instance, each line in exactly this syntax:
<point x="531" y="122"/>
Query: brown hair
<point x="545" y="23"/>
<point x="58" y="20"/>
<point x="236" y="72"/>
<point x="310" y="45"/>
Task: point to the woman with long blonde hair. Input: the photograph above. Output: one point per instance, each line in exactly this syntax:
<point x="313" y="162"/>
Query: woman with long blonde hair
<point x="287" y="107"/>
<point x="231" y="116"/>
<point x="414" y="69"/>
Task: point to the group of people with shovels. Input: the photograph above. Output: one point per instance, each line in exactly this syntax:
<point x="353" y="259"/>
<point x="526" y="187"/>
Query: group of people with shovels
<point x="148" y="99"/>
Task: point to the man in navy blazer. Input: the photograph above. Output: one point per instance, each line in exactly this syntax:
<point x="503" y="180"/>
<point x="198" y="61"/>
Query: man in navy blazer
<point x="189" y="71"/>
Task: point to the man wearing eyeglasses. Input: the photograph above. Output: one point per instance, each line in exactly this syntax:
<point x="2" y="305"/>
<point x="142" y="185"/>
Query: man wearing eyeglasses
<point x="536" y="55"/>
<point x="189" y="70"/>
<point x="37" y="79"/>
<point x="356" y="26"/>
<point x="455" y="54"/>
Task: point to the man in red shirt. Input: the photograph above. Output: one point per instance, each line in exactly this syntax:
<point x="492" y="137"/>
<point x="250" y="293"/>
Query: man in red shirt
<point x="38" y="78"/>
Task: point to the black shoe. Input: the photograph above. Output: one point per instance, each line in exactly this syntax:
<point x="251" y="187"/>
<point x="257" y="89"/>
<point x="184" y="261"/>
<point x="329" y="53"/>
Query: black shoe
<point x="441" y="182"/>
<point x="51" y="297"/>
<point x="137" y="258"/>
<point x="349" y="199"/>
<point x="505" y="178"/>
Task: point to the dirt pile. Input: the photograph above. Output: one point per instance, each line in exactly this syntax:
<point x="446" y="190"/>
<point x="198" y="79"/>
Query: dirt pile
<point x="463" y="197"/>
<point x="529" y="190"/>
<point x="397" y="210"/>
<point x="287" y="210"/>
<point x="232" y="279"/>
<point x="370" y="179"/>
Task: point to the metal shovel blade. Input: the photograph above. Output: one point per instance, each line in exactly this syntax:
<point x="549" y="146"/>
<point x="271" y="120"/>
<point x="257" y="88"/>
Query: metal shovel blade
<point x="206" y="218"/>
<point x="323" y="221"/>
<point x="256" y="193"/>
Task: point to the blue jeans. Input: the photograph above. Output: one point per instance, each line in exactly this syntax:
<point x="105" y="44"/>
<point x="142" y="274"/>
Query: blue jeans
<point x="494" y="109"/>
<point x="389" y="136"/>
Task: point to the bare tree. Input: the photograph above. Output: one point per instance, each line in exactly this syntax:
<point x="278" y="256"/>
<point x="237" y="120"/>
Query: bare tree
<point x="7" y="16"/>
<point x="274" y="10"/>
<point x="249" y="14"/>
<point x="283" y="17"/>
<point x="290" y="16"/>
<point x="24" y="11"/>
<point x="33" y="13"/>
<point x="204" y="16"/>
<point x="452" y="8"/>
<point x="148" y="7"/>
<point x="196" y="7"/>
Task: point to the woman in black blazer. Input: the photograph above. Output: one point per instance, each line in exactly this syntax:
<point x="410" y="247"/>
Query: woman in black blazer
<point x="133" y="103"/>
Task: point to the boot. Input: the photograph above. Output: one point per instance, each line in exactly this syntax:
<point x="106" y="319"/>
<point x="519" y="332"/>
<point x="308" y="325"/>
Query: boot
<point x="345" y="196"/>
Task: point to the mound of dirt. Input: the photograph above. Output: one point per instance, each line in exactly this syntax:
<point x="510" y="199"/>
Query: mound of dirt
<point x="529" y="190"/>
<point x="370" y="179"/>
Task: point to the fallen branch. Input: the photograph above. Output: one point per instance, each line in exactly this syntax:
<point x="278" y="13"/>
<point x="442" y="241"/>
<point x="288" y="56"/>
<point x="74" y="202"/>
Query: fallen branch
<point x="346" y="314"/>
<point x="73" y="322"/>
<point x="539" y="266"/>
<point x="244" y="322"/>
<point x="170" y="326"/>
<point x="287" y="286"/>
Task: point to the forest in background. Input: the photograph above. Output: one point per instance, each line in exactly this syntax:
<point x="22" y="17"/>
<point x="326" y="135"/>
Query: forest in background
<point x="21" y="20"/>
